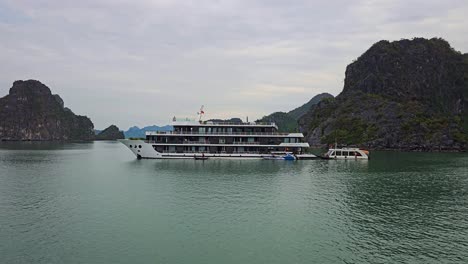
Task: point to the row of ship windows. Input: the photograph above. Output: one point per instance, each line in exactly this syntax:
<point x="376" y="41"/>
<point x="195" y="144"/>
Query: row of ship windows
<point x="223" y="140"/>
<point x="139" y="146"/>
<point x="223" y="130"/>
<point x="345" y="153"/>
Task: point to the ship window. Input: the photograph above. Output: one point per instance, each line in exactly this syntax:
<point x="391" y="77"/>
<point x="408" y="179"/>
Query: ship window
<point x="358" y="154"/>
<point x="130" y="145"/>
<point x="338" y="153"/>
<point x="139" y="146"/>
<point x="352" y="153"/>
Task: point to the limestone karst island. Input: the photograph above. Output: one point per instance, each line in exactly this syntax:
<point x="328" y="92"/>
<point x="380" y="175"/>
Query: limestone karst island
<point x="31" y="112"/>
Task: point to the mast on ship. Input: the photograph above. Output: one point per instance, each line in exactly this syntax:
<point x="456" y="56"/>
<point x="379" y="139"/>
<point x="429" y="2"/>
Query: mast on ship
<point x="201" y="113"/>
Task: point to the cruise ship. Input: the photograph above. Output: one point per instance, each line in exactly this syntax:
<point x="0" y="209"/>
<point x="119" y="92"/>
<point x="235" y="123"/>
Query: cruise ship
<point x="197" y="139"/>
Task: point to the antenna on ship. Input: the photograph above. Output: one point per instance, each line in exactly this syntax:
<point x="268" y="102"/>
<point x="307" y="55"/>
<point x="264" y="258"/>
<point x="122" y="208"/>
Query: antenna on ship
<point x="201" y="113"/>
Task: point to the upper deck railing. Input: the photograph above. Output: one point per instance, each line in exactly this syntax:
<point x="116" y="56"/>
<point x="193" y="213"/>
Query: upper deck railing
<point x="191" y="122"/>
<point x="204" y="142"/>
<point x="154" y="133"/>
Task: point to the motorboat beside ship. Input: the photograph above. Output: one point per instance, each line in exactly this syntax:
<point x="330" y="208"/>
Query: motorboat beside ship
<point x="346" y="153"/>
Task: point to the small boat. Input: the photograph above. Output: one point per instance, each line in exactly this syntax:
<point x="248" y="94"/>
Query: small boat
<point x="288" y="156"/>
<point x="346" y="153"/>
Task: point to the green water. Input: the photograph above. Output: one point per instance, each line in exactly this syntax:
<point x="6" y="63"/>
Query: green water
<point x="95" y="203"/>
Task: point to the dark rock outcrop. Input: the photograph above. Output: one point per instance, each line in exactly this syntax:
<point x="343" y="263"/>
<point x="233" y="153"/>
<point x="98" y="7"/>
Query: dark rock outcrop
<point x="303" y="109"/>
<point x="288" y="122"/>
<point x="110" y="133"/>
<point x="31" y="112"/>
<point x="408" y="94"/>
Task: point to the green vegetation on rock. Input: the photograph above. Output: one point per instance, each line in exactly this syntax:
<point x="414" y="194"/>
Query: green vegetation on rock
<point x="284" y="121"/>
<point x="303" y="109"/>
<point x="288" y="122"/>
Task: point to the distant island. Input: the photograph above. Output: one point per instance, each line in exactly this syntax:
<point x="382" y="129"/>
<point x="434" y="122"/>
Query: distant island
<point x="31" y="112"/>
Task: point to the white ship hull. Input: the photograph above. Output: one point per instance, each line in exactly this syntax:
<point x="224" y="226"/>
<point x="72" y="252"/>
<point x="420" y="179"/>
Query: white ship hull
<point x="144" y="150"/>
<point x="191" y="139"/>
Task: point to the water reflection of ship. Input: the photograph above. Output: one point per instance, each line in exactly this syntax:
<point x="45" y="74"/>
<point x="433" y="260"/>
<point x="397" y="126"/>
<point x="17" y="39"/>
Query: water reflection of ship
<point x="215" y="166"/>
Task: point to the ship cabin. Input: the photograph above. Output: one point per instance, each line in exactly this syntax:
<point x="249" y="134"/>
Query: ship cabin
<point x="190" y="136"/>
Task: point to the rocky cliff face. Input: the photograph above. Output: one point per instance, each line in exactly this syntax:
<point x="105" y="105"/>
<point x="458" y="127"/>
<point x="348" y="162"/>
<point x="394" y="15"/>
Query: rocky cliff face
<point x="288" y="122"/>
<point x="31" y="112"/>
<point x="408" y="94"/>
<point x="110" y="133"/>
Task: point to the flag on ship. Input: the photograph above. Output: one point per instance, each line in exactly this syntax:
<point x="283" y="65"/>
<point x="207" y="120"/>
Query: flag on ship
<point x="201" y="111"/>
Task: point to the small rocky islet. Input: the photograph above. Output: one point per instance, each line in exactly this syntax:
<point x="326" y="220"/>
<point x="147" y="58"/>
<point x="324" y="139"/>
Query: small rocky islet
<point x="30" y="112"/>
<point x="401" y="95"/>
<point x="110" y="133"/>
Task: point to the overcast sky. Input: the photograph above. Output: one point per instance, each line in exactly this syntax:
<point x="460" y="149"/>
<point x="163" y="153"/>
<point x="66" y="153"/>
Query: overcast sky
<point x="142" y="62"/>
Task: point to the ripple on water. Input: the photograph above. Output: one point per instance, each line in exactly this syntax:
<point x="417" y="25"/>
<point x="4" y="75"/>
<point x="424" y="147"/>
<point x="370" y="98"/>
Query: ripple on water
<point x="93" y="202"/>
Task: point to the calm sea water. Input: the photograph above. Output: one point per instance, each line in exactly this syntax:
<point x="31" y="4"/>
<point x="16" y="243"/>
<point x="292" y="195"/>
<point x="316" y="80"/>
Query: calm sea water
<point x="95" y="203"/>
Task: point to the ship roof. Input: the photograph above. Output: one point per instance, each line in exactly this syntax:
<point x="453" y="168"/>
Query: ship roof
<point x="190" y="122"/>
